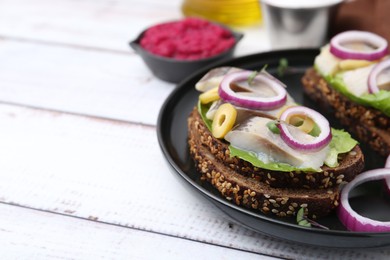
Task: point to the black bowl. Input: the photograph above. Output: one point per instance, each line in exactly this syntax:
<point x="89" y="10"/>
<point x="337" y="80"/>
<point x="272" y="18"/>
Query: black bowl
<point x="173" y="70"/>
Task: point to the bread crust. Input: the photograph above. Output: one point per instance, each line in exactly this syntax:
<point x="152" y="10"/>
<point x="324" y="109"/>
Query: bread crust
<point x="369" y="125"/>
<point x="279" y="193"/>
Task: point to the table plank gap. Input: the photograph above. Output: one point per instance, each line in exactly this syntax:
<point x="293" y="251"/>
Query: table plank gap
<point x="77" y="81"/>
<point x="94" y="117"/>
<point x="103" y="24"/>
<point x="66" y="45"/>
<point x="26" y="233"/>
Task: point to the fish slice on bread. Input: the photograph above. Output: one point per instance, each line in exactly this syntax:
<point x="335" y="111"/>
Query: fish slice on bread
<point x="369" y="125"/>
<point x="348" y="88"/>
<point x="266" y="189"/>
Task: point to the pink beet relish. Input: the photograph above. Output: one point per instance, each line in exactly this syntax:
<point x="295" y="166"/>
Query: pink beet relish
<point x="187" y="39"/>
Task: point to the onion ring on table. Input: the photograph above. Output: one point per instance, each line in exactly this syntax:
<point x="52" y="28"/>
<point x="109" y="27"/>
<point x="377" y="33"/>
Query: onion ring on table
<point x="387" y="180"/>
<point x="350" y="218"/>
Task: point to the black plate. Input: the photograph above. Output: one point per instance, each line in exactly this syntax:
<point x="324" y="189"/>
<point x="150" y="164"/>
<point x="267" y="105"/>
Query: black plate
<point x="172" y="135"/>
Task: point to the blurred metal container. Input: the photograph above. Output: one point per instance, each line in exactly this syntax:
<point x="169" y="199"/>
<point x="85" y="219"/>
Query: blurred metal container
<point x="298" y="23"/>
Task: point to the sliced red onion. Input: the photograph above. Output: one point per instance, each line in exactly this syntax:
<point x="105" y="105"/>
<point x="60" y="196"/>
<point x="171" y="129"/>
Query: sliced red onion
<point x="252" y="101"/>
<point x="387" y="180"/>
<point x="315" y="144"/>
<point x="342" y="52"/>
<point x="387" y="163"/>
<point x="350" y="218"/>
<point x="375" y="72"/>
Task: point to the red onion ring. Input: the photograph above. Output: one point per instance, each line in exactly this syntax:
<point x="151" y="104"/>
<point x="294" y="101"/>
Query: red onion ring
<point x="387" y="180"/>
<point x="315" y="145"/>
<point x="254" y="102"/>
<point x="372" y="77"/>
<point x="350" y="218"/>
<point x="338" y="50"/>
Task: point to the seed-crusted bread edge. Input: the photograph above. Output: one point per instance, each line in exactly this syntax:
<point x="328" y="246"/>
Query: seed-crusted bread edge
<point x="250" y="192"/>
<point x="369" y="125"/>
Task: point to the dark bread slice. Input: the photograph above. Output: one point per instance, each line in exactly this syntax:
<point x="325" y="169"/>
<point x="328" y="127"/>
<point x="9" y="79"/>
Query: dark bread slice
<point x="369" y="125"/>
<point x="250" y="192"/>
<point x="351" y="163"/>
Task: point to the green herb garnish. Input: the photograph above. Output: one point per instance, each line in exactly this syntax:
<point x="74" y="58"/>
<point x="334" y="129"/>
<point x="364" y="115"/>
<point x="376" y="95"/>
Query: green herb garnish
<point x="252" y="77"/>
<point x="272" y="126"/>
<point x="283" y="65"/>
<point x="301" y="220"/>
<point x="255" y="73"/>
<point x="304" y="221"/>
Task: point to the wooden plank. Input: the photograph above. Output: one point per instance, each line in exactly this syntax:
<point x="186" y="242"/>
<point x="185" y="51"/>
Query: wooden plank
<point x="105" y="84"/>
<point x="113" y="172"/>
<point x="104" y="24"/>
<point x="112" y="85"/>
<point x="30" y="234"/>
<point x="108" y="24"/>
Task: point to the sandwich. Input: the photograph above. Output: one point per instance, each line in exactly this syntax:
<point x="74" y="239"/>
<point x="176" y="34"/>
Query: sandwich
<point x="263" y="151"/>
<point x="350" y="80"/>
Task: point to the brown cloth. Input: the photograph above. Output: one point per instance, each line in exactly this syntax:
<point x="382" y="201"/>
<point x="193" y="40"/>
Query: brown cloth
<point x="365" y="15"/>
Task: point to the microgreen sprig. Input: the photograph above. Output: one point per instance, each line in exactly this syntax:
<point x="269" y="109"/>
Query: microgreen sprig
<point x="303" y="220"/>
<point x="255" y="73"/>
<point x="283" y="65"/>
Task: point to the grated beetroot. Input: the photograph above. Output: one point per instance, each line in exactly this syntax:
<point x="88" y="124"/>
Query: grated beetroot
<point x="188" y="39"/>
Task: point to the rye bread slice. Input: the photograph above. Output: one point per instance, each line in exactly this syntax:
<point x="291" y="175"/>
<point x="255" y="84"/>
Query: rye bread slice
<point x="250" y="192"/>
<point x="369" y="125"/>
<point x="350" y="165"/>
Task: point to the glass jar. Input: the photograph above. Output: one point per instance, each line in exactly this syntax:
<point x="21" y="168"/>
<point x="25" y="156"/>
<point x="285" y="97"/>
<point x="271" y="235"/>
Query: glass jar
<point x="228" y="12"/>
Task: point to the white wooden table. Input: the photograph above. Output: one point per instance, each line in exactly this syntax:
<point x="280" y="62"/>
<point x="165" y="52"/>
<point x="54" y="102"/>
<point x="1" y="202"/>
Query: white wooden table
<point x="78" y="113"/>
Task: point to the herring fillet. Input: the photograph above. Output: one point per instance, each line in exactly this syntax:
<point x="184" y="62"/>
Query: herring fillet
<point x="254" y="136"/>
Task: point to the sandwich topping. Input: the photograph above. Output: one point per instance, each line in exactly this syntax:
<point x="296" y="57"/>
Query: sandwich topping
<point x="379" y="77"/>
<point x="356" y="63"/>
<point x="255" y="136"/>
<point x="264" y="125"/>
<point x="358" y="45"/>
<point x="252" y="90"/>
<point x="304" y="119"/>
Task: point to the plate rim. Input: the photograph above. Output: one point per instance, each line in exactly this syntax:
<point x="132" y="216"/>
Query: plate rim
<point x="182" y="87"/>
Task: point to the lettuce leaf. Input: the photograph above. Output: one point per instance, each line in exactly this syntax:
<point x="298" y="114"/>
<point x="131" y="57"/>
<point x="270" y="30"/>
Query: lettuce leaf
<point x="341" y="142"/>
<point x="273" y="166"/>
<point x="380" y="100"/>
<point x="202" y="108"/>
